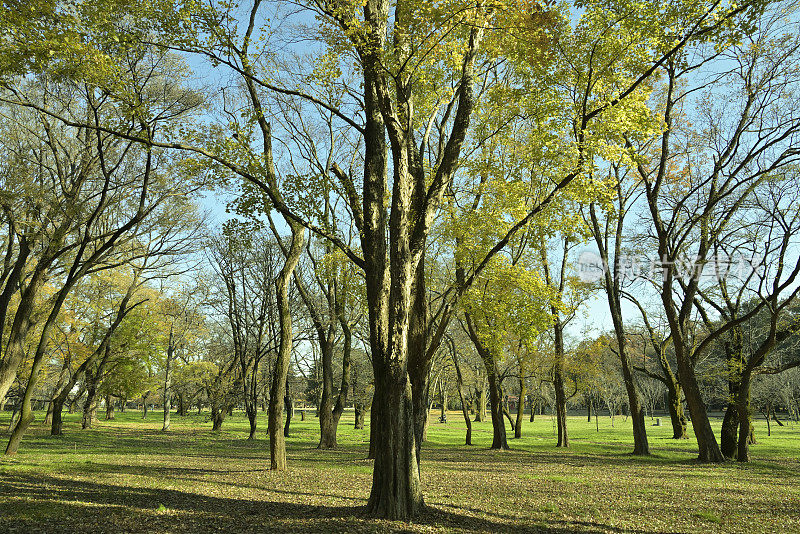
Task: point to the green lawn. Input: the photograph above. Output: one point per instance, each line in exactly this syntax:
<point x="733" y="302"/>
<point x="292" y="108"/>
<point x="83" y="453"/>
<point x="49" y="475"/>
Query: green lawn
<point x="127" y="476"/>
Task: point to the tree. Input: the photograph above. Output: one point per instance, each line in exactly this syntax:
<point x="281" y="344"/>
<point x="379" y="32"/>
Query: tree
<point x="698" y="180"/>
<point x="246" y="263"/>
<point x="396" y="47"/>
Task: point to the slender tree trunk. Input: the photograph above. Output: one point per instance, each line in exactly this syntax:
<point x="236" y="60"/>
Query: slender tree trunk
<point x="48" y="418"/>
<point x="277" y="444"/>
<point x="443" y="400"/>
<point x="461" y="396"/>
<point x="288" y="404"/>
<point x="167" y="396"/>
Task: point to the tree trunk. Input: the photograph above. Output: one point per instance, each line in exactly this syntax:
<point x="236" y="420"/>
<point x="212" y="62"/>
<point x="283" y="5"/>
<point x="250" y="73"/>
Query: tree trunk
<point x="676" y="414"/>
<point x="288" y="404"/>
<point x="48" y="418"/>
<point x="327" y="426"/>
<point x="708" y="449"/>
<point x="217" y="417"/>
<point x="183" y="406"/>
<point x="743" y="453"/>
<point x="90" y="404"/>
<point x="496" y="409"/>
<point x="109" y="408"/>
<point x="461" y="396"/>
<point x="729" y="436"/>
<point x="520" y="407"/>
<point x="480" y="403"/>
<point x="277" y="444"/>
<point x="358" y="408"/>
<point x="396" y="491"/>
<point x="168" y="379"/>
<point x="56" y="424"/>
<point x="15" y="347"/>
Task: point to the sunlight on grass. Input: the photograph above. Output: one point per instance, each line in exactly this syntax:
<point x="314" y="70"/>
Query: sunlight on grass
<point x="127" y="475"/>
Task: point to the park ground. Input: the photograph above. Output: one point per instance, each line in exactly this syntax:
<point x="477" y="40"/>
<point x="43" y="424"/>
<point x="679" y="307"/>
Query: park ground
<point x="128" y="476"/>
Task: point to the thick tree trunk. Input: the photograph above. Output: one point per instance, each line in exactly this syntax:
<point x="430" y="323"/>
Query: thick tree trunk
<point x="373" y="430"/>
<point x="56" y="426"/>
<point x="729" y="435"/>
<point x="396" y="491"/>
<point x="496" y="409"/>
<point x="15" y="347"/>
<point x="675" y="406"/>
<point x="327" y="425"/>
<point x="183" y="406"/>
<point x="708" y="449"/>
<point x="109" y="408"/>
<point x="217" y="417"/>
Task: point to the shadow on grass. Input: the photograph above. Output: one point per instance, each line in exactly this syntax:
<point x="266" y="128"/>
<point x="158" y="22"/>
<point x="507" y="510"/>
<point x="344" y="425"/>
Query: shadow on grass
<point x="43" y="503"/>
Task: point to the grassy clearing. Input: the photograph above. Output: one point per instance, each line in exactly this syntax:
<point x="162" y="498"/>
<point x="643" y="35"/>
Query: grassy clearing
<point x="127" y="476"/>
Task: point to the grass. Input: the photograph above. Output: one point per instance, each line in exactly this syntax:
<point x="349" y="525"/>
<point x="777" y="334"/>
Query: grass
<point x="128" y="476"/>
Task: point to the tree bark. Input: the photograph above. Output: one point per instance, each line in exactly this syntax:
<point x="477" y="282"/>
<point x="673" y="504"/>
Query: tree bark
<point x="168" y="379"/>
<point x="496" y="408"/>
<point x="743" y="452"/>
<point x="288" y="403"/>
<point x="327" y="425"/>
<point x="109" y="408"/>
<point x="358" y="408"/>
<point x="462" y="397"/>
<point x="277" y="444"/>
